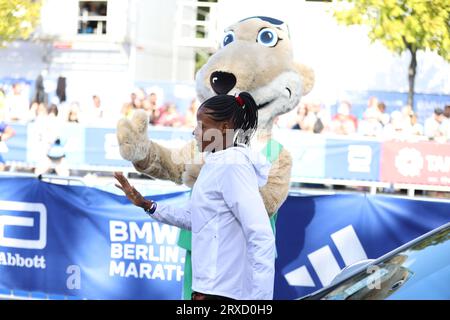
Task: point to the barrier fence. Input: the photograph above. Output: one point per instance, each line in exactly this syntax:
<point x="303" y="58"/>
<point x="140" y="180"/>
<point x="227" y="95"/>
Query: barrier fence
<point x="76" y="242"/>
<point x="319" y="159"/>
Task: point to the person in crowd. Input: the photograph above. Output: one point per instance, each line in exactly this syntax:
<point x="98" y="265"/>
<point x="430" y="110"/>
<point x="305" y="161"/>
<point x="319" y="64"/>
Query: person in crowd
<point x="394" y="127"/>
<point x="74" y="113"/>
<point x="383" y="115"/>
<point x="151" y="107"/>
<point x="48" y="131"/>
<point x="2" y="101"/>
<point x="434" y="127"/>
<point x="17" y="104"/>
<point x="151" y="102"/>
<point x="415" y="128"/>
<point x="96" y="110"/>
<point x="190" y="119"/>
<point x="447" y="112"/>
<point x="371" y="125"/>
<point x="171" y="117"/>
<point x="302" y="112"/>
<point x="32" y="112"/>
<point x="372" y="103"/>
<point x="129" y="107"/>
<point x="6" y="133"/>
<point x="343" y="123"/>
<point x="233" y="245"/>
<point x="311" y="117"/>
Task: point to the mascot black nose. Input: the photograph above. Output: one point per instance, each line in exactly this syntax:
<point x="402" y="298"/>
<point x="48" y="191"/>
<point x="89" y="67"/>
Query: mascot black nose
<point x="222" y="82"/>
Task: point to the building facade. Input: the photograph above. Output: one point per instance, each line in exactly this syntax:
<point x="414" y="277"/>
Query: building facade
<point x="104" y="47"/>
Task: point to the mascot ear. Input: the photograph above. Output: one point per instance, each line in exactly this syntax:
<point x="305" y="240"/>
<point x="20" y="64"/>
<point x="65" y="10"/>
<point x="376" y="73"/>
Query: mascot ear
<point x="307" y="75"/>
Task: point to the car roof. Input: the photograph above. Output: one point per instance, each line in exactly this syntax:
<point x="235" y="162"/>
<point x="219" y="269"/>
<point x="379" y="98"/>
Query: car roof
<point x="379" y="260"/>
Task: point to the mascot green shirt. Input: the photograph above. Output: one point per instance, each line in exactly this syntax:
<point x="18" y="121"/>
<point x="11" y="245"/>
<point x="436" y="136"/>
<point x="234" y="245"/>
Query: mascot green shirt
<point x="271" y="152"/>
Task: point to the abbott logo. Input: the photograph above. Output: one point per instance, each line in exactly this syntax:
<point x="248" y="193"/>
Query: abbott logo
<point x="10" y="221"/>
<point x="325" y="264"/>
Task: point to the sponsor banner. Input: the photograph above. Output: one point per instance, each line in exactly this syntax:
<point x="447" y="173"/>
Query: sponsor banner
<point x="352" y="159"/>
<point x="307" y="151"/>
<point x="425" y="163"/>
<point x="102" y="147"/>
<point x="87" y="243"/>
<point x="72" y="139"/>
<point x="83" y="242"/>
<point x="38" y="140"/>
<point x="317" y="236"/>
<point x="17" y="146"/>
<point x="313" y="156"/>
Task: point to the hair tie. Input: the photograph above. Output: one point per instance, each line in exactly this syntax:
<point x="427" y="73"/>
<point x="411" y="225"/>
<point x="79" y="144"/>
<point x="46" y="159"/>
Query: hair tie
<point x="240" y="101"/>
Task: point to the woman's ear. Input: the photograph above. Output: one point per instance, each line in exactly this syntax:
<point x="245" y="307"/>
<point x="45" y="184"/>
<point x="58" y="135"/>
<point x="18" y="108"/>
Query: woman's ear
<point x="225" y="126"/>
<point x="228" y="133"/>
<point x="307" y="75"/>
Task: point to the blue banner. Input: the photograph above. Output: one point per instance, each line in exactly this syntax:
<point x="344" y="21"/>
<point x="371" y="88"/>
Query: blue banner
<point x="17" y="147"/>
<point x="102" y="148"/>
<point x="84" y="146"/>
<point x="83" y="242"/>
<point x="87" y="243"/>
<point x="317" y="236"/>
<point x="352" y="159"/>
<point x="307" y="151"/>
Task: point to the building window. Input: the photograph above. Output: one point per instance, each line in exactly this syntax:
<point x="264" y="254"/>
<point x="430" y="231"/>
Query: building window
<point x="92" y="17"/>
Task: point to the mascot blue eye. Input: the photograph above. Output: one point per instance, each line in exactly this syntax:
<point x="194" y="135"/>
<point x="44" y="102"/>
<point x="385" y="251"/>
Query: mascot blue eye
<point x="267" y="37"/>
<point x="228" y="38"/>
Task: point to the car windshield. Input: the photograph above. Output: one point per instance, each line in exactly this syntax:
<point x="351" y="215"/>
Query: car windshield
<point x="420" y="272"/>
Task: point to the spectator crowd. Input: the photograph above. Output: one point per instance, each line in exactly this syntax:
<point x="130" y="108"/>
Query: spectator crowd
<point x="49" y="119"/>
<point x="310" y="116"/>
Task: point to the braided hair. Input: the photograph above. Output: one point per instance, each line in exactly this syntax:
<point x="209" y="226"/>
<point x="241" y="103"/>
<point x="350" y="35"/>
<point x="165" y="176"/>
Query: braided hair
<point x="242" y="110"/>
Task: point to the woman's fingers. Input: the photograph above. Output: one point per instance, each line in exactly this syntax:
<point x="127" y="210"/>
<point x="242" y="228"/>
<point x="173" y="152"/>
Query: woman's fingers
<point x="122" y="180"/>
<point x="119" y="176"/>
<point x="128" y="189"/>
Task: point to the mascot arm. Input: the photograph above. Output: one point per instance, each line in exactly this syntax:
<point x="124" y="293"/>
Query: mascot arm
<point x="163" y="163"/>
<point x="147" y="156"/>
<point x="275" y="192"/>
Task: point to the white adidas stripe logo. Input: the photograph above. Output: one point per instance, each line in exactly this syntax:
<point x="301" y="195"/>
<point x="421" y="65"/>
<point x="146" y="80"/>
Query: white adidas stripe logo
<point x="324" y="262"/>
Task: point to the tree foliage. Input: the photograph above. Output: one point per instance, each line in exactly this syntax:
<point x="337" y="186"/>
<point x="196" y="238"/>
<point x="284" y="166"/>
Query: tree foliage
<point x="18" y="18"/>
<point x="401" y="24"/>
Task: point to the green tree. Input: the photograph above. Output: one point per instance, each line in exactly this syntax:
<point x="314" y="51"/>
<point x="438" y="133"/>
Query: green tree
<point x="402" y="25"/>
<point x="18" y="18"/>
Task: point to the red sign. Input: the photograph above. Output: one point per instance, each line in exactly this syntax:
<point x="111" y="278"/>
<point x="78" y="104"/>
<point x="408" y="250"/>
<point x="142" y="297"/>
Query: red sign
<point x="416" y="163"/>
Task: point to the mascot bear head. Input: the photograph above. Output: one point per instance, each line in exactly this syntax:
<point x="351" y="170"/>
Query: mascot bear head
<point x="256" y="56"/>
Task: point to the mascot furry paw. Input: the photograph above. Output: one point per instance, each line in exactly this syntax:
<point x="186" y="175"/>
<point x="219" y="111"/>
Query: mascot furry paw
<point x="256" y="56"/>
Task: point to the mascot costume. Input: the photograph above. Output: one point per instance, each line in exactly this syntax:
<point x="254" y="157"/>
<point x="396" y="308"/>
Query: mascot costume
<point x="255" y="56"/>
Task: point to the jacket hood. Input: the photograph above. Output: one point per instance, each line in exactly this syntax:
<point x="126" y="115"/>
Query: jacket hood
<point x="243" y="154"/>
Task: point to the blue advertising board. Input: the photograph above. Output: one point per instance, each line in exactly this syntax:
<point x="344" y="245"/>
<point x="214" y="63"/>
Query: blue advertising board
<point x="82" y="242"/>
<point x="87" y="243"/>
<point x="352" y="159"/>
<point x="317" y="236"/>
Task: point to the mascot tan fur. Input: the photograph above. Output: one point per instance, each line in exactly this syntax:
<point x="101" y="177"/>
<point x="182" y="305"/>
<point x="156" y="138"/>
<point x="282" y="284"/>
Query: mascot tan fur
<point x="256" y="56"/>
